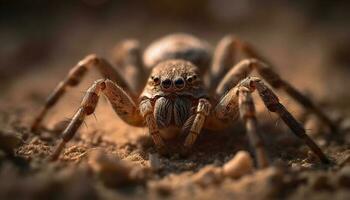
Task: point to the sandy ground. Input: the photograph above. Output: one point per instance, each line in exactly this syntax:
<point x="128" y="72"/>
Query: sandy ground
<point x="82" y="172"/>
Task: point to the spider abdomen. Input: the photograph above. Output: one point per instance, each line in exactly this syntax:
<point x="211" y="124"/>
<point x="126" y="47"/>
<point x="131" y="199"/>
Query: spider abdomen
<point x="178" y="46"/>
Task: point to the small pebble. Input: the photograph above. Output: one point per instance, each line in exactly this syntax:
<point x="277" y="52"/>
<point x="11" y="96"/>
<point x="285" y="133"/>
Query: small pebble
<point x="207" y="176"/>
<point x="239" y="165"/>
<point x="162" y="188"/>
<point x="113" y="171"/>
<point x="9" y="141"/>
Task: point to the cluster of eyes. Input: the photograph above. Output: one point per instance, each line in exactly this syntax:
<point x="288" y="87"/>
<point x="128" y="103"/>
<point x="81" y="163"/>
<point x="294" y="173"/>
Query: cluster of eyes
<point x="178" y="82"/>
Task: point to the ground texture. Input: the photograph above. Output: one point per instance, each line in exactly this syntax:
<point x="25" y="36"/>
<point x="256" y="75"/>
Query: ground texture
<point x="107" y="159"/>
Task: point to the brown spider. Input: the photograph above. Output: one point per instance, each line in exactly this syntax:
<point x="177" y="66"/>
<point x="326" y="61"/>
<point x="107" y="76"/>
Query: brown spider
<point x="181" y="95"/>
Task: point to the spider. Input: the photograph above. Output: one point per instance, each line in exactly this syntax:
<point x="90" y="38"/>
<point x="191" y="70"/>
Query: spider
<point x="189" y="88"/>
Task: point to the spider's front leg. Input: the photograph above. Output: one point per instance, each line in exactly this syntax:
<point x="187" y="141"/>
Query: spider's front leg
<point x="245" y="67"/>
<point x="121" y="102"/>
<point x="146" y="110"/>
<point x="74" y="77"/>
<point x="224" y="74"/>
<point x="196" y="122"/>
<point x="202" y="111"/>
<point x="240" y="97"/>
<point x="239" y="101"/>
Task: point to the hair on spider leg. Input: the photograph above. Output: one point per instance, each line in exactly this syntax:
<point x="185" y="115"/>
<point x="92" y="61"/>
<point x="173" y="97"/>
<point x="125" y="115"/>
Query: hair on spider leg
<point x="82" y="92"/>
<point x="61" y="125"/>
<point x="76" y="102"/>
<point x="67" y="120"/>
<point x="94" y="114"/>
<point x="188" y="124"/>
<point x="85" y="124"/>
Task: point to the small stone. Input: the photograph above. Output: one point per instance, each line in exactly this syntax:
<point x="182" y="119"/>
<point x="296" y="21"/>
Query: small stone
<point x="113" y="171"/>
<point x="162" y="188"/>
<point x="271" y="181"/>
<point x="9" y="141"/>
<point x="239" y="165"/>
<point x="35" y="140"/>
<point x="96" y="139"/>
<point x="207" y="176"/>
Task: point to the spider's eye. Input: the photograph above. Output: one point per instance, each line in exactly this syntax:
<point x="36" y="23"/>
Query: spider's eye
<point x="156" y="80"/>
<point x="192" y="78"/>
<point x="166" y="83"/>
<point x="179" y="83"/>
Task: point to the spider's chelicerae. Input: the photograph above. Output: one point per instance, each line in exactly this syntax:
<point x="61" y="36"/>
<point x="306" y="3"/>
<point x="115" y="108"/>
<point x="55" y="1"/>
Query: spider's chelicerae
<point x="178" y="86"/>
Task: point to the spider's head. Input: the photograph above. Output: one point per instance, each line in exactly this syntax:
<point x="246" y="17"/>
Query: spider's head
<point x="174" y="77"/>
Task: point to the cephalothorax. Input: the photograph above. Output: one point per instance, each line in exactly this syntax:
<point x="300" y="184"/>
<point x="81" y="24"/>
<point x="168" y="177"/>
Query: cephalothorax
<point x="178" y="86"/>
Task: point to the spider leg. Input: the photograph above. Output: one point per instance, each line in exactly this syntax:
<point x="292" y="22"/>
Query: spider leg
<point x="228" y="51"/>
<point x="247" y="112"/>
<point x="238" y="102"/>
<point x="245" y="67"/>
<point x="121" y="102"/>
<point x="146" y="110"/>
<point x="271" y="101"/>
<point x="202" y="111"/>
<point x="127" y="56"/>
<point x="73" y="79"/>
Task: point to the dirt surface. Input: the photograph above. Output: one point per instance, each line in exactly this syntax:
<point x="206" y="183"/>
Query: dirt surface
<point x="108" y="159"/>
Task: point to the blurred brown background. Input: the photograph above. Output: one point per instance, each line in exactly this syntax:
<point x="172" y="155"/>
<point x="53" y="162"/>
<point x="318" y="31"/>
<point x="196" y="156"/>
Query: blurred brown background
<point x="308" y="41"/>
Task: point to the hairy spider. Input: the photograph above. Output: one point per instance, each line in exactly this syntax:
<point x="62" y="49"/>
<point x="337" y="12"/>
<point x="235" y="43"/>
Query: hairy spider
<point x="188" y="89"/>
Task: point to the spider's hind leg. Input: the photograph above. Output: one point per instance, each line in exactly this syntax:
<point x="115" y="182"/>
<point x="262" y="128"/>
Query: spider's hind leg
<point x="229" y="50"/>
<point x="127" y="56"/>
